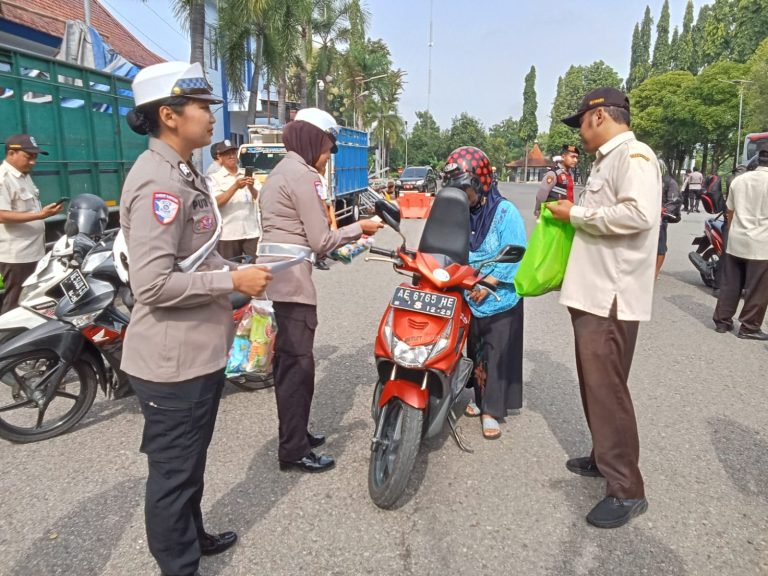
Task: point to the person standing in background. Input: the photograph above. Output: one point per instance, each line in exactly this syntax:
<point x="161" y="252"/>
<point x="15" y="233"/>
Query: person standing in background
<point x="237" y="194"/>
<point x="693" y="184"/>
<point x="22" y="230"/>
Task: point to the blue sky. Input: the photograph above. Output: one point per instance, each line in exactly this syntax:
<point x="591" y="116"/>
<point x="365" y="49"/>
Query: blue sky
<point x="482" y="49"/>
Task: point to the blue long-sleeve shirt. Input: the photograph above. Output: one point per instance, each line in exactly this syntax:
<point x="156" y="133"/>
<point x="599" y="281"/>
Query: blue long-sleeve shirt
<point x="507" y="228"/>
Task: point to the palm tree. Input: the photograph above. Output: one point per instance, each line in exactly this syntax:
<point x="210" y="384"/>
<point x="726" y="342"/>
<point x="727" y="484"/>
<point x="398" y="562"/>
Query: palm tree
<point x="387" y="124"/>
<point x="191" y="14"/>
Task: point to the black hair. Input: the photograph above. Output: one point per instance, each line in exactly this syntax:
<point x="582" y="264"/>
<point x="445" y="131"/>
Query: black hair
<point x="145" y="119"/>
<point x="619" y="115"/>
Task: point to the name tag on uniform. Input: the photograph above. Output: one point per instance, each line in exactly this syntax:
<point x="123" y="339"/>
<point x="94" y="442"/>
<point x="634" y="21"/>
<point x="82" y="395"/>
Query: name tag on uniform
<point x="165" y="206"/>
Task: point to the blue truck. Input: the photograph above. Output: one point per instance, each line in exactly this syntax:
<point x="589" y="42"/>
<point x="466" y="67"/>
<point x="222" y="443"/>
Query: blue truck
<point x="347" y="170"/>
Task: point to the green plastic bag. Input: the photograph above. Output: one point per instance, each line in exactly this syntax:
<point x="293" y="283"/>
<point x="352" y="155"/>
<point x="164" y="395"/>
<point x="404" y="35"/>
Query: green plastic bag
<point x="543" y="267"/>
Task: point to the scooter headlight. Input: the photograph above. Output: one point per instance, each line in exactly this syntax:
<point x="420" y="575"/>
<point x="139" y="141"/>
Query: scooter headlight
<point x="409" y="356"/>
<point x="85" y="319"/>
<point x="416" y="356"/>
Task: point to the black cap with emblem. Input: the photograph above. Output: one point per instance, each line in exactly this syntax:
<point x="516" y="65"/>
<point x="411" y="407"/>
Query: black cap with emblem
<point x="569" y="148"/>
<point x="600" y="97"/>
<point x="25" y="143"/>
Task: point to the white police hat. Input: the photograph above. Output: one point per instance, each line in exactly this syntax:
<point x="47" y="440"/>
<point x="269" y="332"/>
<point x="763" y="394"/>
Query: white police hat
<point x="321" y="119"/>
<point x="170" y="79"/>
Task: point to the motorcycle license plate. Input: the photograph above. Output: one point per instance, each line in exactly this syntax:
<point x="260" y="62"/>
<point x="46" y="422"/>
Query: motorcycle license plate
<point x="407" y="186"/>
<point x="74" y="286"/>
<point x="424" y="302"/>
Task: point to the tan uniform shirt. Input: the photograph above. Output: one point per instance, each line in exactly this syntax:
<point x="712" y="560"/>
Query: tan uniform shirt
<point x="181" y="326"/>
<point x="613" y="256"/>
<point x="694" y="181"/>
<point x="20" y="242"/>
<point x="293" y="213"/>
<point x="241" y="214"/>
<point x="748" y="232"/>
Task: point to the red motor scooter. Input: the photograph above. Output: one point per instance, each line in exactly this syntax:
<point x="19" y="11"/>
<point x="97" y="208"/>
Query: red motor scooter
<point x="419" y="348"/>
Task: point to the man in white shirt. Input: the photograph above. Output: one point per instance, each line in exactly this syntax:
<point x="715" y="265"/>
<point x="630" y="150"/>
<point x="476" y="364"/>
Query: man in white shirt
<point x="608" y="289"/>
<point x="214" y="166"/>
<point x="745" y="266"/>
<point x="22" y="230"/>
<point x="237" y="195"/>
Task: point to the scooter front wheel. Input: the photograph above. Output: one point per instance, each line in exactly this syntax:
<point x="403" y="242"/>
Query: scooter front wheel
<point x="394" y="454"/>
<point x="28" y="418"/>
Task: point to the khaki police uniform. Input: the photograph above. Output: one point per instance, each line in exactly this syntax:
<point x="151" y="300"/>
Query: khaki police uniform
<point x="177" y="342"/>
<point x="557" y="184"/>
<point x="240" y="215"/>
<point x="22" y="243"/>
<point x="608" y="289"/>
<point x="293" y="213"/>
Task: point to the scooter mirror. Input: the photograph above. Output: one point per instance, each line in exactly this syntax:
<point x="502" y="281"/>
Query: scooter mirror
<point x="388" y="212"/>
<point x="510" y="254"/>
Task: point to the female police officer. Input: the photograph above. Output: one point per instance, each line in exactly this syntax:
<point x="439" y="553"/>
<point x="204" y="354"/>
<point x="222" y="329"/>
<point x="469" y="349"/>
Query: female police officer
<point x="295" y="222"/>
<point x="176" y="345"/>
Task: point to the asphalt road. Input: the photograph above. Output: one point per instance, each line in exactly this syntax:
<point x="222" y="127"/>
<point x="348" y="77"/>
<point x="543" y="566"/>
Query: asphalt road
<point x="74" y="505"/>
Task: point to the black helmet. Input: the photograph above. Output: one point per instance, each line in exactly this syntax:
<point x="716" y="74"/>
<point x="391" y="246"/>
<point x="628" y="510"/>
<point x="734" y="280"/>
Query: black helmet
<point x="88" y="214"/>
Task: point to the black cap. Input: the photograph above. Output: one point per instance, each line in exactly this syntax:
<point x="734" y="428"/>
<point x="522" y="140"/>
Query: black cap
<point x="570" y="148"/>
<point x="24" y="142"/>
<point x="225" y="146"/>
<point x="595" y="99"/>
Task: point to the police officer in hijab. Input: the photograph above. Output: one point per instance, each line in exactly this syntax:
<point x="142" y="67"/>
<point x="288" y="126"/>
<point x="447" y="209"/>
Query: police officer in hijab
<point x="295" y="221"/>
<point x="181" y="327"/>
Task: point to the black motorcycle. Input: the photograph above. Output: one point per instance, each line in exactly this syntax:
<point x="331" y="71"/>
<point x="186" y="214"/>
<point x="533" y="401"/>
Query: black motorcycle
<point x="54" y="369"/>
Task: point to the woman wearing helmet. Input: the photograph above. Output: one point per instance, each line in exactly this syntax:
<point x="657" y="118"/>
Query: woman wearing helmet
<point x="295" y="221"/>
<point x="181" y="326"/>
<point x="495" y="341"/>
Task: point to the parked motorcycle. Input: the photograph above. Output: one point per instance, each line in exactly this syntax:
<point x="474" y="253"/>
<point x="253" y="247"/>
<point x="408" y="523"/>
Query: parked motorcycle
<point x="706" y="258"/>
<point x="55" y="368"/>
<point x="419" y="348"/>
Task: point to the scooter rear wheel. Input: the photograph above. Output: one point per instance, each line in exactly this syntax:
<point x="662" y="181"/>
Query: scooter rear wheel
<point x="393" y="457"/>
<point x="20" y="415"/>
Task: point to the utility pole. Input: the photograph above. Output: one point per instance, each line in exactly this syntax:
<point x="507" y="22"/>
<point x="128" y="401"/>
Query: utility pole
<point x="429" y="74"/>
<point x="406" y="142"/>
<point x="740" y="83"/>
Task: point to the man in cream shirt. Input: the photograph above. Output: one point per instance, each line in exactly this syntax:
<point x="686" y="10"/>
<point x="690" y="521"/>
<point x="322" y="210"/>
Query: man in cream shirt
<point x="746" y="255"/>
<point x="238" y="198"/>
<point x="22" y="230"/>
<point x="608" y="289"/>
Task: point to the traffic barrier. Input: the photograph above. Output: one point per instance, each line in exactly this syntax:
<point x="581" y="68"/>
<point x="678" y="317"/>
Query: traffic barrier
<point x="414" y="205"/>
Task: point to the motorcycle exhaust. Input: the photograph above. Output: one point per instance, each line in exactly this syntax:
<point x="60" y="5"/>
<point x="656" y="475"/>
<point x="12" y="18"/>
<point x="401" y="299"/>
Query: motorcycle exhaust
<point x="699" y="263"/>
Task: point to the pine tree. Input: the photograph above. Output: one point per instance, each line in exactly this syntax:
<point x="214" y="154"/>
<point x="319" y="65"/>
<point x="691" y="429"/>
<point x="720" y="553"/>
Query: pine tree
<point x="718" y="31"/>
<point x="674" y="50"/>
<point x="529" y="126"/>
<point x="633" y="55"/>
<point x="685" y="57"/>
<point x="661" y="51"/>
<point x="750" y="28"/>
<point x="698" y="39"/>
<point x="642" y="66"/>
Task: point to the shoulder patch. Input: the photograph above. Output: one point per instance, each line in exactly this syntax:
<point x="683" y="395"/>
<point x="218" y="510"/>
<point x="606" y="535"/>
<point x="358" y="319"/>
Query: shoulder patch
<point x="549" y="179"/>
<point x="638" y="155"/>
<point x="320" y="189"/>
<point x="165" y="206"/>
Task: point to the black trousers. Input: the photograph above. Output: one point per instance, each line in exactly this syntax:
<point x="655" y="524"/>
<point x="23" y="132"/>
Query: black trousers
<point x="179" y="419"/>
<point x="604" y="351"/>
<point x="495" y="346"/>
<point x="13" y="277"/>
<point x="294" y="372"/>
<point x="742" y="274"/>
<point x="696" y="199"/>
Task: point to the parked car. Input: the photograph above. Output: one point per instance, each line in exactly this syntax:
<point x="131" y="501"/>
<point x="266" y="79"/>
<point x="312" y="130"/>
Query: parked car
<point x="417" y="179"/>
